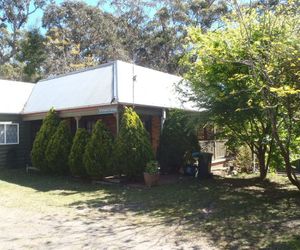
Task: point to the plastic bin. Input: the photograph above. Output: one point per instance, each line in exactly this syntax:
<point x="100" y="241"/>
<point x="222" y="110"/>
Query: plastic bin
<point x="204" y="164"/>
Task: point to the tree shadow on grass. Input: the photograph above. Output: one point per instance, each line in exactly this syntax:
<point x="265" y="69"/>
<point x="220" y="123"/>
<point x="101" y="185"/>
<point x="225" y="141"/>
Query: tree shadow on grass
<point x="292" y="242"/>
<point x="234" y="213"/>
<point x="42" y="182"/>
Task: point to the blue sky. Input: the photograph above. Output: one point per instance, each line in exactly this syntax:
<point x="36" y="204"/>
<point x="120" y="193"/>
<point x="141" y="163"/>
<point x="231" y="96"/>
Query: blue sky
<point x="35" y="20"/>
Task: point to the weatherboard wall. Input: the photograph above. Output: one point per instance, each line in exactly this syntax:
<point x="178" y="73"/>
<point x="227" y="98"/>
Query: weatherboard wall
<point x="15" y="155"/>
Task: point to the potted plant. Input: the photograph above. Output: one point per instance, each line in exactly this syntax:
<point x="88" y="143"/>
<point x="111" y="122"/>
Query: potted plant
<point x="151" y="174"/>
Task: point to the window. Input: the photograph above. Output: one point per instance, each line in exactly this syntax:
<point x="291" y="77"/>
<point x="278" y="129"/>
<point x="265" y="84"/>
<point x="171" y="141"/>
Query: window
<point x="90" y="126"/>
<point x="2" y="136"/>
<point x="9" y="133"/>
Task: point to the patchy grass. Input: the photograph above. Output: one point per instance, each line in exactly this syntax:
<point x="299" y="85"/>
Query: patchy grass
<point x="234" y="213"/>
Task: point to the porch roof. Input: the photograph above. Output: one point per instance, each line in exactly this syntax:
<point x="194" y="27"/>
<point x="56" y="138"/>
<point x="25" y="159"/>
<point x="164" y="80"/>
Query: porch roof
<point x="116" y="82"/>
<point x="13" y="96"/>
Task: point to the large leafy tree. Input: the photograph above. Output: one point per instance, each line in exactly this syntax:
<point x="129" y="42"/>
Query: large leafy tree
<point x="13" y="17"/>
<point x="12" y="71"/>
<point x="249" y="72"/>
<point x="32" y="54"/>
<point x="78" y="36"/>
<point x="131" y="17"/>
<point x="166" y="31"/>
<point x="152" y="32"/>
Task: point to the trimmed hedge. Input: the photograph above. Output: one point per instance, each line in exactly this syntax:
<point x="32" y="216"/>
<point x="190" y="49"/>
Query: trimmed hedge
<point x="76" y="163"/>
<point x="176" y="139"/>
<point x="58" y="149"/>
<point x="47" y="130"/>
<point x="133" y="148"/>
<point x="98" y="153"/>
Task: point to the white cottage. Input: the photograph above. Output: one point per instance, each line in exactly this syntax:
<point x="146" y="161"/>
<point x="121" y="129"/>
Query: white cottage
<point x="85" y="96"/>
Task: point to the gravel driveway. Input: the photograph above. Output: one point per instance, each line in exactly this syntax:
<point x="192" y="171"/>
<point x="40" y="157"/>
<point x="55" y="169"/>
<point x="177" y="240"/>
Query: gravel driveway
<point x="91" y="229"/>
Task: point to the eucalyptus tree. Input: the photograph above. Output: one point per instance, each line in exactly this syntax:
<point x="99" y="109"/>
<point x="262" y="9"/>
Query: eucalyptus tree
<point x="32" y="54"/>
<point x="14" y="15"/>
<point x="132" y="17"/>
<point x="79" y="35"/>
<point x="168" y="28"/>
<point x="152" y="32"/>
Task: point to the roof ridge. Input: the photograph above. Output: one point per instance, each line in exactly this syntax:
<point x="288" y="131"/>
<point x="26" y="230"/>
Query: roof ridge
<point x="78" y="71"/>
<point x="14" y="81"/>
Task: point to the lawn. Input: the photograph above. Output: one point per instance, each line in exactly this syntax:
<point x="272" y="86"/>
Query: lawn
<point x="222" y="213"/>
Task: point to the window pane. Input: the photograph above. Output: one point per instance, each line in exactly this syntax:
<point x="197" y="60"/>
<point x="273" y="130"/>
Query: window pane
<point x="1" y="133"/>
<point x="11" y="133"/>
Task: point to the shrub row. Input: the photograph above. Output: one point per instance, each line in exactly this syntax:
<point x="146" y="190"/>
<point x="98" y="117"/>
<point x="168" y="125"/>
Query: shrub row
<point x="42" y="139"/>
<point x="97" y="155"/>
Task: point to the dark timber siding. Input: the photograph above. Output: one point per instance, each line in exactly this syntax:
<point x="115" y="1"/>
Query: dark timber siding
<point x="16" y="155"/>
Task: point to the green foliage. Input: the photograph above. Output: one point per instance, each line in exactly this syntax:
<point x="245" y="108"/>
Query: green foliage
<point x="133" y="148"/>
<point x="246" y="74"/>
<point x="76" y="163"/>
<point x="243" y="159"/>
<point x="152" y="167"/>
<point x="12" y="71"/>
<point x="79" y="36"/>
<point x="166" y="31"/>
<point x="176" y="139"/>
<point x="98" y="153"/>
<point x="13" y="18"/>
<point x="32" y="53"/>
<point x="42" y="139"/>
<point x="296" y="164"/>
<point x="58" y="149"/>
<point x="277" y="162"/>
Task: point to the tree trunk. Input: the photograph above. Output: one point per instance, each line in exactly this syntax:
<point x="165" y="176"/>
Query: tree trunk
<point x="290" y="172"/>
<point x="284" y="151"/>
<point x="263" y="168"/>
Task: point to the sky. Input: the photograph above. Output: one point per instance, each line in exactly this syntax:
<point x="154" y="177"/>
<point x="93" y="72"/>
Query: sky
<point x="35" y="19"/>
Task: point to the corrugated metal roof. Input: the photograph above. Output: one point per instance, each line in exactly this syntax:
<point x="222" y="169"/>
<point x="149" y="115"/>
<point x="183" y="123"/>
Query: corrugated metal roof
<point x="102" y="85"/>
<point x="79" y="89"/>
<point x="13" y="96"/>
<point x="150" y="87"/>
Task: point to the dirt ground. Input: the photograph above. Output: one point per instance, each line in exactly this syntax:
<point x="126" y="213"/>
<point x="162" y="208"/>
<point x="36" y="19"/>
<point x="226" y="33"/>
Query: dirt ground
<point x="52" y="212"/>
<point x="86" y="229"/>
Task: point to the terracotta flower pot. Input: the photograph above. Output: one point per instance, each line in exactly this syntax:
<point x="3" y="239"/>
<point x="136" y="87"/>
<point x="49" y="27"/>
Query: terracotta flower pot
<point x="151" y="179"/>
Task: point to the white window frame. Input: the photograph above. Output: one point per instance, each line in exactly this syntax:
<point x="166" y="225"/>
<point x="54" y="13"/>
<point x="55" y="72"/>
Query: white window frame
<point x="10" y="123"/>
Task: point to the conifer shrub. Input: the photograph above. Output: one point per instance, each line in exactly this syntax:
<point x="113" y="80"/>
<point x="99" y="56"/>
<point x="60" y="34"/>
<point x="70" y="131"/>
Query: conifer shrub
<point x="176" y="139"/>
<point x="43" y="136"/>
<point x="98" y="153"/>
<point x="58" y="149"/>
<point x="76" y="163"/>
<point x="133" y="148"/>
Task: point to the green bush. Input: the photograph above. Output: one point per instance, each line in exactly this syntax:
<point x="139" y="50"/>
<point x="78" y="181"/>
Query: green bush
<point x="133" y="148"/>
<point x="277" y="162"/>
<point x="98" y="153"/>
<point x="243" y="159"/>
<point x="42" y="139"/>
<point x="152" y="167"/>
<point x="58" y="149"/>
<point x="76" y="164"/>
<point x="176" y="139"/>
